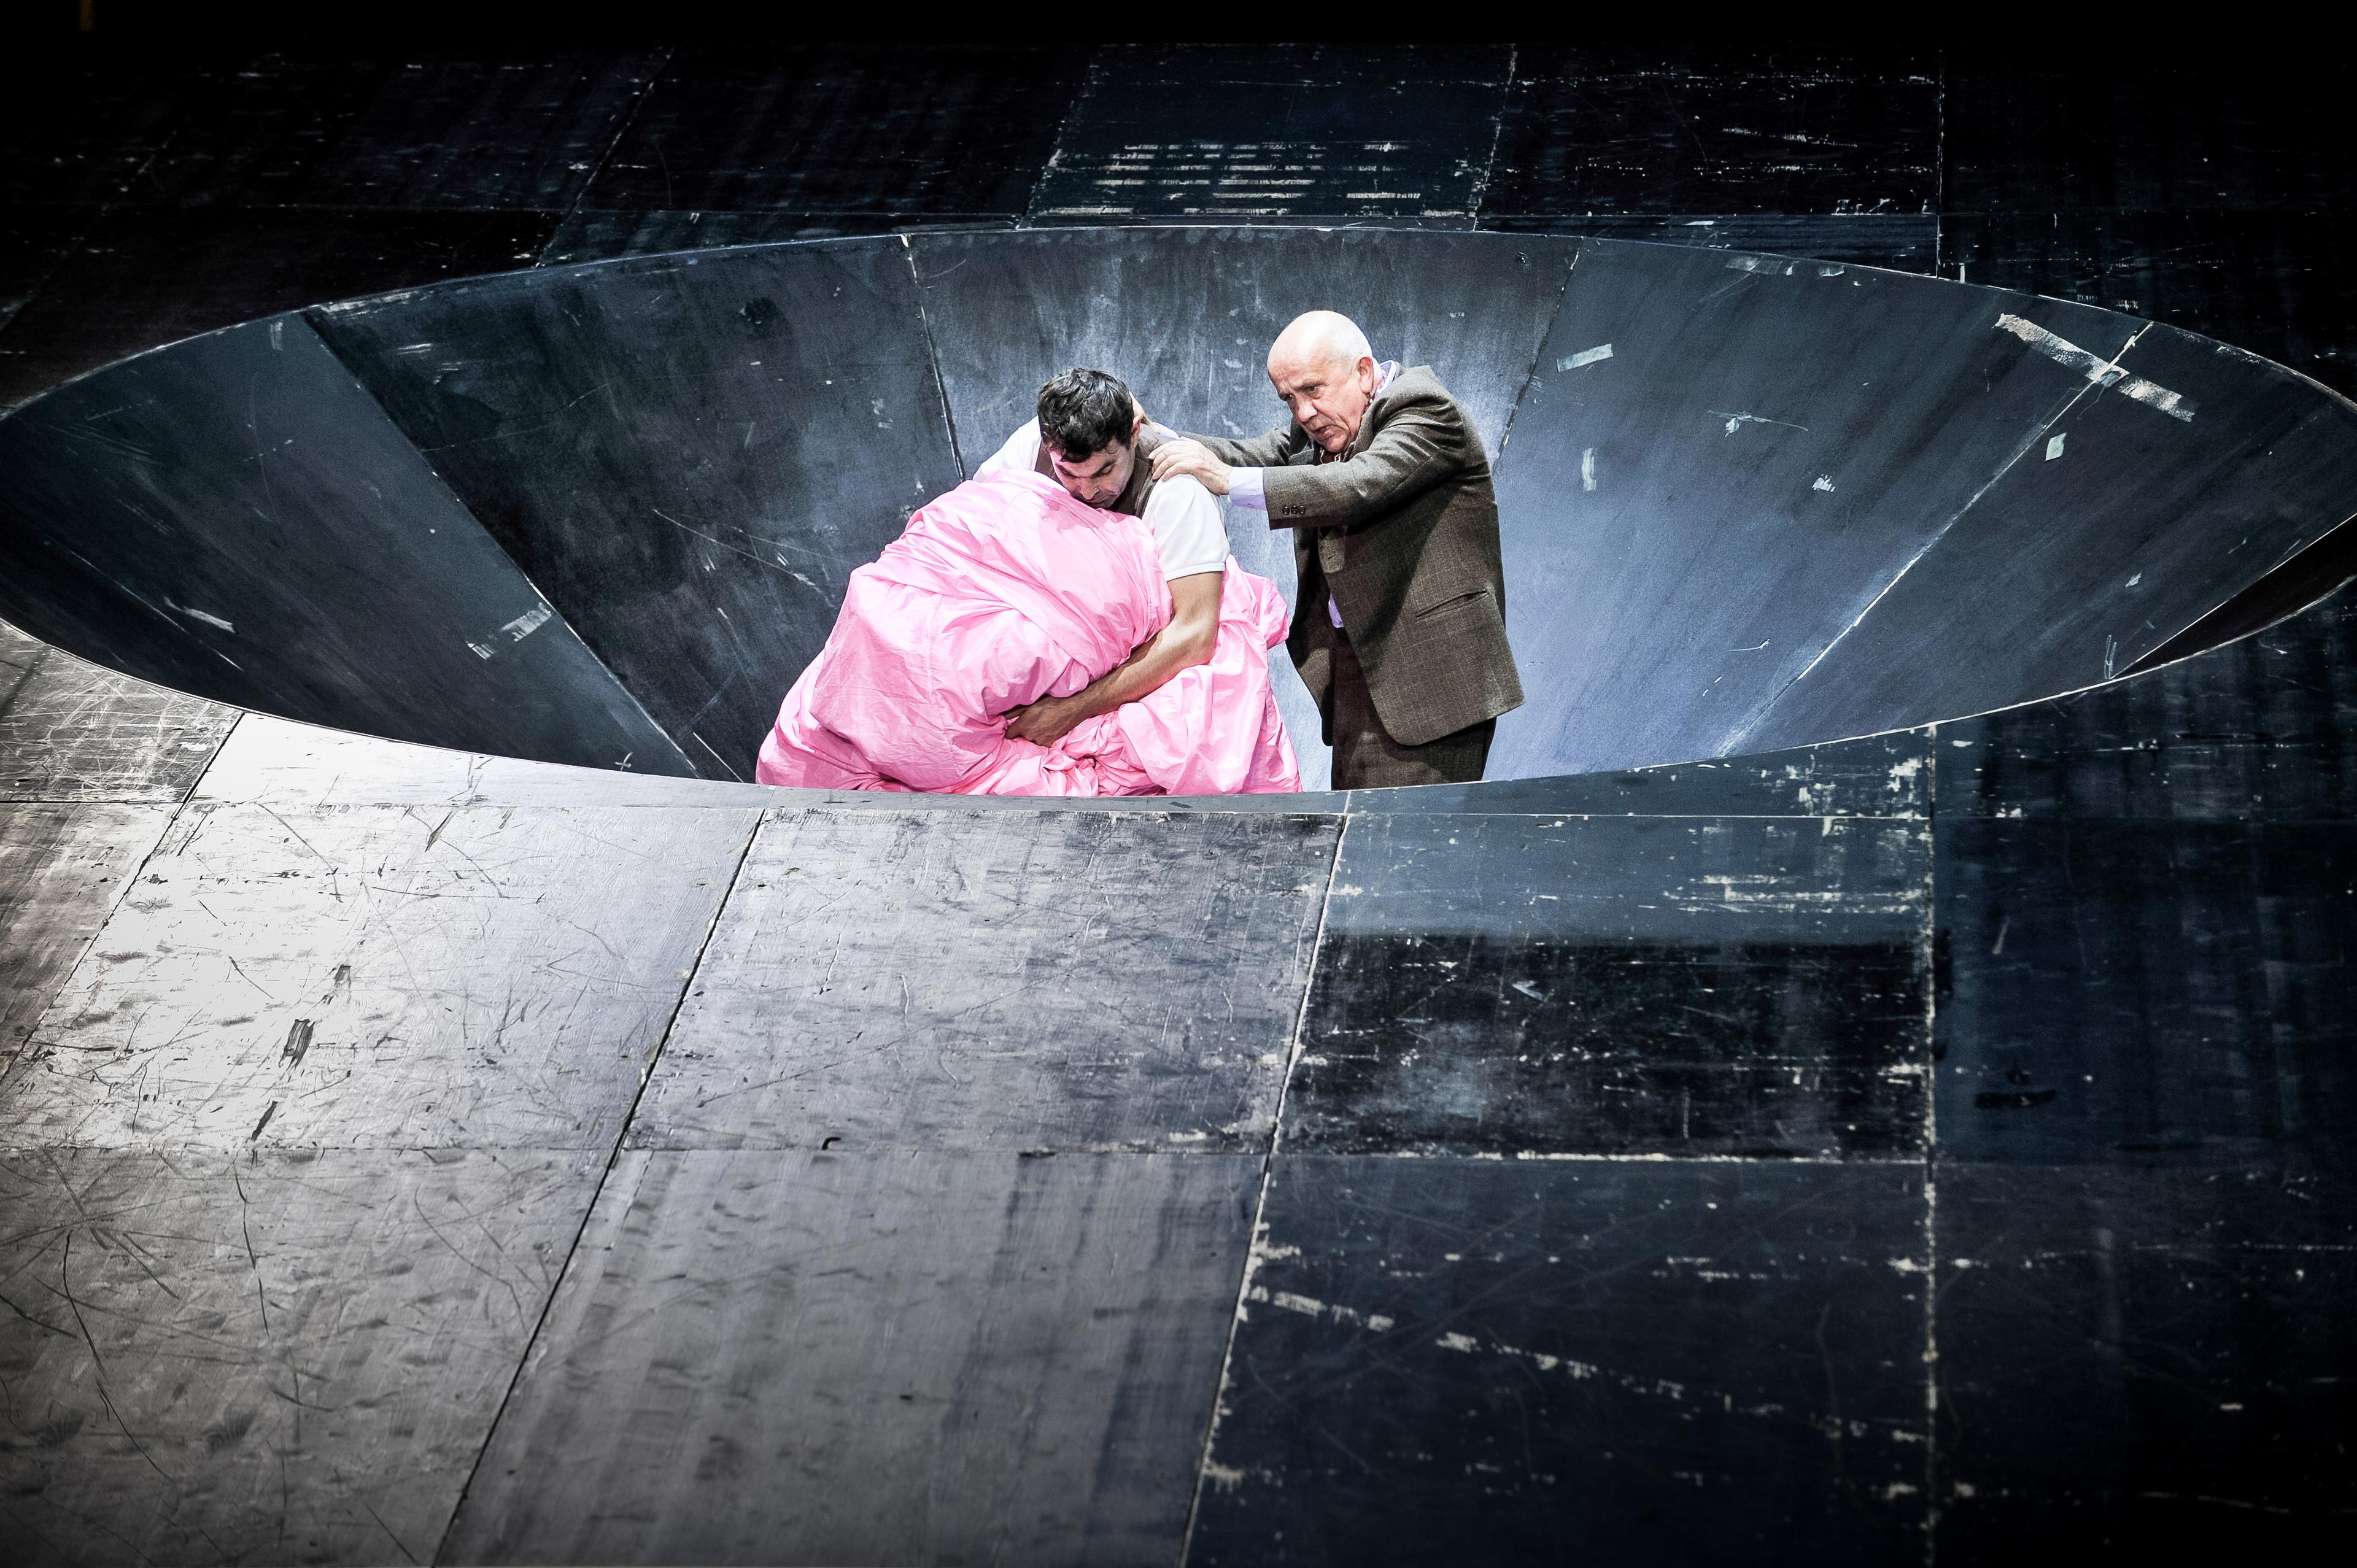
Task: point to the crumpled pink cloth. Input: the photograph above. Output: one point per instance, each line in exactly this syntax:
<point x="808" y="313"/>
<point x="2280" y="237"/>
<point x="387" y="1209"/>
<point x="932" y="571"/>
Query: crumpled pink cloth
<point x="999" y="592"/>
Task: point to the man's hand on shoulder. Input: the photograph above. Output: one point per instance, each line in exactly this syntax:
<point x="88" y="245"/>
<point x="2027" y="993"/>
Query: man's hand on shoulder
<point x="1048" y="720"/>
<point x="1192" y="457"/>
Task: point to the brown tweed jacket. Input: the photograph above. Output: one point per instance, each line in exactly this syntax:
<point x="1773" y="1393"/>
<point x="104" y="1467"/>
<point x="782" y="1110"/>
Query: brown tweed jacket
<point x="1402" y="529"/>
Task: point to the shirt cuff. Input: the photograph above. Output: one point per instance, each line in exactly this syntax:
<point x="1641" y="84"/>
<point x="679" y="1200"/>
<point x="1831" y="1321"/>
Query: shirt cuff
<point x="1245" y="489"/>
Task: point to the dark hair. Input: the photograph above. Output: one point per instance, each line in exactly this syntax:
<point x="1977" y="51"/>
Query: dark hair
<point x="1083" y="411"/>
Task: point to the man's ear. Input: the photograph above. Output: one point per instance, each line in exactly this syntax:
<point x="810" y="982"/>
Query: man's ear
<point x="1136" y="425"/>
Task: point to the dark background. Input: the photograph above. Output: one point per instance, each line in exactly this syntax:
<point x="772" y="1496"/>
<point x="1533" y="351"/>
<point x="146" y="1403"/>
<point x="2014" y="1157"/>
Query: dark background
<point x="173" y="170"/>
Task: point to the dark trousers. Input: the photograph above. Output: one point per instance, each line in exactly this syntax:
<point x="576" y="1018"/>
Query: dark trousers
<point x="1367" y="757"/>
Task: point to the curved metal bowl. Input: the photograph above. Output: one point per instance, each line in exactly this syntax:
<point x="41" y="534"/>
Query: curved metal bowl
<point x="603" y="514"/>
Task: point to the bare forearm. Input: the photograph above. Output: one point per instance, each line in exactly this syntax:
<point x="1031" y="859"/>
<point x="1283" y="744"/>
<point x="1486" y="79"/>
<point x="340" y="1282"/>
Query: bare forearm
<point x="1147" y="671"/>
<point x="1187" y="641"/>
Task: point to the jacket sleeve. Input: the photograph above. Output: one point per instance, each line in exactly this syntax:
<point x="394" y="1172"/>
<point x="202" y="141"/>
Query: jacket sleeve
<point x="1269" y="451"/>
<point x="1418" y="447"/>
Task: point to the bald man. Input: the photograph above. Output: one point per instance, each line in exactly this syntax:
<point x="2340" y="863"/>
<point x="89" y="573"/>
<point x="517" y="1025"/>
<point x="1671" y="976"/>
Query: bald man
<point x="1399" y="628"/>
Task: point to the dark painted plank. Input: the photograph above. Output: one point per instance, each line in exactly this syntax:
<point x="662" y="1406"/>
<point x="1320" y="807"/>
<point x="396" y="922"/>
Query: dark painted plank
<point x="1008" y="311"/>
<point x="1246" y="131"/>
<point x="380" y="977"/>
<point x="904" y="128"/>
<point x="1532" y="986"/>
<point x="2268" y="282"/>
<point x="71" y="731"/>
<point x="1908" y="242"/>
<point x="33" y="242"/>
<point x="76" y="124"/>
<point x="2147" y="1364"/>
<point x="141" y="277"/>
<point x="2188" y="136"/>
<point x="271" y="1356"/>
<point x="237" y="519"/>
<point x="1590" y="130"/>
<point x="2262" y="730"/>
<point x="62" y="867"/>
<point x="688" y="455"/>
<point x="2082" y="558"/>
<point x="903" y="1357"/>
<point x="2129" y="992"/>
<point x="1457" y="1360"/>
<point x="1019" y="980"/>
<point x="1704" y="509"/>
<point x="599" y="234"/>
<point x="416" y="131"/>
<point x="1877" y="775"/>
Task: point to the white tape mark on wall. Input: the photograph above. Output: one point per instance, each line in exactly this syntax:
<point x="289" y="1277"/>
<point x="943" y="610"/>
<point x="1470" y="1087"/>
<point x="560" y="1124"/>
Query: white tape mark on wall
<point x="202" y="616"/>
<point x="1585" y="357"/>
<point x="524" y="625"/>
<point x="2097" y="368"/>
<point x="531" y="620"/>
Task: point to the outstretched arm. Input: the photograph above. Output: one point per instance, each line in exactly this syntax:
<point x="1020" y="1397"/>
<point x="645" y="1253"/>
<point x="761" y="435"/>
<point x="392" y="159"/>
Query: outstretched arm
<point x="1420" y="445"/>
<point x="1255" y="451"/>
<point x="1186" y="642"/>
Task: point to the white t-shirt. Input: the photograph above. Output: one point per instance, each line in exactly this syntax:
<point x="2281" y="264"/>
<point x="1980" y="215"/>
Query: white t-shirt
<point x="1184" y="516"/>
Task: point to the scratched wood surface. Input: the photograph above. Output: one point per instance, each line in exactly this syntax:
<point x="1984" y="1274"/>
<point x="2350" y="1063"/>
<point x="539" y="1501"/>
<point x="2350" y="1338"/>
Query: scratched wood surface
<point x="62" y="868"/>
<point x="782" y="1357"/>
<point x="1585" y="985"/>
<point x="2145" y="1364"/>
<point x="2163" y="1356"/>
<point x="379" y="976"/>
<point x="71" y="731"/>
<point x="1057" y="981"/>
<point x="1611" y="1361"/>
<point x="271" y="1357"/>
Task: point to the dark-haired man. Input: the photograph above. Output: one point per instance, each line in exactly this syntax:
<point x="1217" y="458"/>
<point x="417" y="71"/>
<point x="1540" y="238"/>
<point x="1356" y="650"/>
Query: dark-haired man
<point x="1091" y="437"/>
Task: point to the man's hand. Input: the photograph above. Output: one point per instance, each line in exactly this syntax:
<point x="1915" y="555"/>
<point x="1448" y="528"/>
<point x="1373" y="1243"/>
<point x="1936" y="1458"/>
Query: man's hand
<point x="1189" y="456"/>
<point x="1048" y="720"/>
<point x="1187" y="640"/>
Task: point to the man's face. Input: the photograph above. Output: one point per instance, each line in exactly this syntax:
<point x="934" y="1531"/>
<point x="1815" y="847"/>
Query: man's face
<point x="1098" y="478"/>
<point x="1328" y="400"/>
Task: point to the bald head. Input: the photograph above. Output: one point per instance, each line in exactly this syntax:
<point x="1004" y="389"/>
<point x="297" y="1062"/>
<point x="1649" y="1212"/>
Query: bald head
<point x="1324" y="371"/>
<point x="1324" y="337"/>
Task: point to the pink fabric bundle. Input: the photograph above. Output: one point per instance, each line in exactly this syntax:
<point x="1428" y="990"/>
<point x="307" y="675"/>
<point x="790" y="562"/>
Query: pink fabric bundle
<point x="999" y="592"/>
